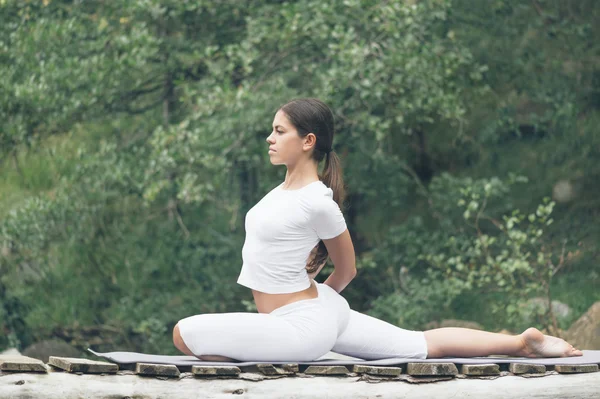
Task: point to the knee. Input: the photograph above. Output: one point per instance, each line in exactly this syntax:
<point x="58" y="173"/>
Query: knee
<point x="178" y="341"/>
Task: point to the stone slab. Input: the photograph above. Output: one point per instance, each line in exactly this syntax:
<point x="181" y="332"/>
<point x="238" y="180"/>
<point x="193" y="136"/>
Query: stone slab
<point x="291" y="367"/>
<point x="269" y="369"/>
<point x="480" y="369"/>
<point x="22" y="364"/>
<point x="377" y="370"/>
<point x="202" y="371"/>
<point x="431" y="369"/>
<point x="86" y="366"/>
<point x="163" y="370"/>
<point x="327" y="370"/>
<point x="581" y="368"/>
<point x="521" y="368"/>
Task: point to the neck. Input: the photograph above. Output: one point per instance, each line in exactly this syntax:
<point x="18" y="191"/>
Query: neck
<point x="301" y="174"/>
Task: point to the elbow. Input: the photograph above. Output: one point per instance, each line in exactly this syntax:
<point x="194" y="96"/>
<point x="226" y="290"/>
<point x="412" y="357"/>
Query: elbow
<point x="351" y="270"/>
<point x="351" y="274"/>
<point x="348" y="273"/>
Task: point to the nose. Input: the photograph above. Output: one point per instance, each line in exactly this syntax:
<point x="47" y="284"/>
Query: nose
<point x="270" y="138"/>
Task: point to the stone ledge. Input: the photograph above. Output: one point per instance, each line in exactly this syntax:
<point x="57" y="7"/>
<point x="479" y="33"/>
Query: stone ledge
<point x="162" y="370"/>
<point x="480" y="369"/>
<point x="22" y="364"/>
<point x="432" y="369"/>
<point x="523" y="368"/>
<point x="61" y="385"/>
<point x="73" y="365"/>
<point x="581" y="368"/>
<point x="215" y="370"/>
<point x="269" y="369"/>
<point x="327" y="370"/>
<point x="377" y="370"/>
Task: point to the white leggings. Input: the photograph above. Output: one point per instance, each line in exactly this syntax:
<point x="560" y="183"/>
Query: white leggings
<point x="300" y="331"/>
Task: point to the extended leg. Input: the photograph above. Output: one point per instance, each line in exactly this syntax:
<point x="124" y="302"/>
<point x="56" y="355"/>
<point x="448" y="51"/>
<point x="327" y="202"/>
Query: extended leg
<point x="464" y="342"/>
<point x="369" y="338"/>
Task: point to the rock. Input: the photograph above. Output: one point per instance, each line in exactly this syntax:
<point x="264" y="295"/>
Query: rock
<point x="71" y="386"/>
<point x="85" y="366"/>
<point x="291" y="367"/>
<point x="377" y="370"/>
<point x="453" y="323"/>
<point x="269" y="369"/>
<point x="480" y="369"/>
<point x="215" y="370"/>
<point x="21" y="363"/>
<point x="579" y="368"/>
<point x="585" y="332"/>
<point x="563" y="191"/>
<point x="431" y="369"/>
<point x="525" y="368"/>
<point x="163" y="370"/>
<point x="53" y="347"/>
<point x="327" y="370"/>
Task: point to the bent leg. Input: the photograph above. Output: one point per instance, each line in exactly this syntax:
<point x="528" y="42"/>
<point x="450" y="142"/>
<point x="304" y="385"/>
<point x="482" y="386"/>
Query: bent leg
<point x="299" y="332"/>
<point x="369" y="338"/>
<point x="178" y="341"/>
<point x="180" y="344"/>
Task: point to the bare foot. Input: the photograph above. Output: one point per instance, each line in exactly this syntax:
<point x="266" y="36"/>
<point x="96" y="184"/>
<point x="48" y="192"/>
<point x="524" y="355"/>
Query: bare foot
<point x="536" y="344"/>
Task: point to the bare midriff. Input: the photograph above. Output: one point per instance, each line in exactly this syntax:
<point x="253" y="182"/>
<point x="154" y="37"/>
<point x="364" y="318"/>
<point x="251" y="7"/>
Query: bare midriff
<point x="266" y="303"/>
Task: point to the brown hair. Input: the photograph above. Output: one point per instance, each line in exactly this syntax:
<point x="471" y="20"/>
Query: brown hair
<point x="309" y="115"/>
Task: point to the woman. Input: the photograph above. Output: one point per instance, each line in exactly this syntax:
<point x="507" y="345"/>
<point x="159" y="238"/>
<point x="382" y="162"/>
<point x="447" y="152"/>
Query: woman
<point x="290" y="233"/>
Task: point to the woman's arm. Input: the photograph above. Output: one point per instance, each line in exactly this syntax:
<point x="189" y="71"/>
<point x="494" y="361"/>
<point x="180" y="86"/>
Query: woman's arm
<point x="341" y="251"/>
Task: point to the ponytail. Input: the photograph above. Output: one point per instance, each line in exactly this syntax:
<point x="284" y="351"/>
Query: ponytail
<point x="332" y="178"/>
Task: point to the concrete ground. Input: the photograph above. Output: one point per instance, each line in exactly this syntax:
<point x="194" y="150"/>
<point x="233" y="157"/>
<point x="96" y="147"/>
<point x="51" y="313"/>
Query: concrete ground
<point x="62" y="385"/>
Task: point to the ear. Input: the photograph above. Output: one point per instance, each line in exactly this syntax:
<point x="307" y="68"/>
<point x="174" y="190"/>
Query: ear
<point x="310" y="141"/>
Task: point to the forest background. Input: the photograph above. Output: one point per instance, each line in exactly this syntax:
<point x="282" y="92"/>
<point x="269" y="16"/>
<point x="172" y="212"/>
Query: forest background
<point x="132" y="138"/>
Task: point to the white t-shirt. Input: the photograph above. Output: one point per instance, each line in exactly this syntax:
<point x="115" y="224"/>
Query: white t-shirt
<point x="281" y="230"/>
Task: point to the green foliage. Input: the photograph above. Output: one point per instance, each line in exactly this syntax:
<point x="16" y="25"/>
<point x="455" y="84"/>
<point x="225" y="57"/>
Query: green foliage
<point x="480" y="255"/>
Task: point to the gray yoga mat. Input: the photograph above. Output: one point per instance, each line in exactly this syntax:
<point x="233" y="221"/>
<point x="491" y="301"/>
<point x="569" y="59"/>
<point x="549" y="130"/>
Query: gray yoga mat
<point x="589" y="357"/>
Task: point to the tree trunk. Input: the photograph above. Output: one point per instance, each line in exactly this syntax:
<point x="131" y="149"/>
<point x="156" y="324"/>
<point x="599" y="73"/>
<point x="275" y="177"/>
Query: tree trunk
<point x="17" y="166"/>
<point x="423" y="168"/>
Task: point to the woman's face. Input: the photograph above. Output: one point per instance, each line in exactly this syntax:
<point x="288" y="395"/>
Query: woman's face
<point x="285" y="146"/>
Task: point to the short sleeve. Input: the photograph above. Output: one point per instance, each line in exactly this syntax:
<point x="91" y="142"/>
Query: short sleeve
<point x="327" y="219"/>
